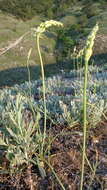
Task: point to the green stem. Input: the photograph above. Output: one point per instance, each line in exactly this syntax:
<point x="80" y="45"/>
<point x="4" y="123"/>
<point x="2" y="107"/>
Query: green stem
<point x="59" y="181"/>
<point x="84" y="123"/>
<point x="29" y="76"/>
<point x="44" y="90"/>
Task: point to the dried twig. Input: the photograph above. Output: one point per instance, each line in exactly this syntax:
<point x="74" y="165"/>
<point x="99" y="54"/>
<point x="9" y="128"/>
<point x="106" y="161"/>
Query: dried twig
<point x="5" y="49"/>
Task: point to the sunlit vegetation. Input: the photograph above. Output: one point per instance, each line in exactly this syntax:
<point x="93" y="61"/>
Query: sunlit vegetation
<point x="53" y="96"/>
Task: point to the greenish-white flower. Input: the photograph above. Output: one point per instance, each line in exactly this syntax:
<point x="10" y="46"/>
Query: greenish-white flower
<point x="89" y="43"/>
<point x="44" y="25"/>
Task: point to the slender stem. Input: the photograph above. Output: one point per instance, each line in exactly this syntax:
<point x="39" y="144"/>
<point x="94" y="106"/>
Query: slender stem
<point x="84" y="123"/>
<point x="44" y="90"/>
<point x="29" y="75"/>
<point x="58" y="179"/>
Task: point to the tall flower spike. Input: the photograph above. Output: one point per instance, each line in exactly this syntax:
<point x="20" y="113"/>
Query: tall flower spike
<point x="87" y="55"/>
<point x="38" y="32"/>
<point x="44" y="25"/>
<point x="90" y="42"/>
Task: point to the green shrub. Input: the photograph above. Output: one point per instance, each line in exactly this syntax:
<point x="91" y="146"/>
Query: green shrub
<point x="59" y="7"/>
<point x="91" y="9"/>
<point x="26" y="9"/>
<point x="67" y="40"/>
<point x="83" y="20"/>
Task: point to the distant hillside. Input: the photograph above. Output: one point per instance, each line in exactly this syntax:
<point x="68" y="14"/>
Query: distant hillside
<point x="79" y="16"/>
<point x="26" y="9"/>
<point x="14" y="61"/>
<point x="78" y="21"/>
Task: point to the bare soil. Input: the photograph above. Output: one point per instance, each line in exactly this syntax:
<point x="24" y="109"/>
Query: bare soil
<point x="66" y="154"/>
